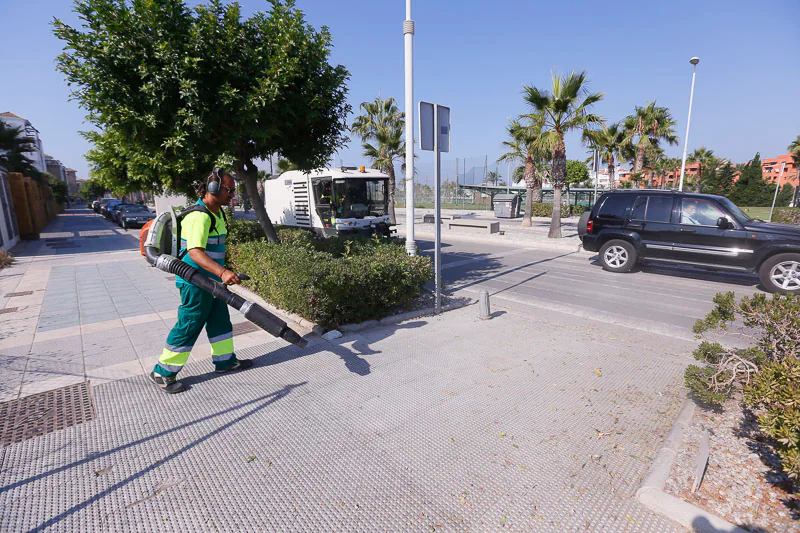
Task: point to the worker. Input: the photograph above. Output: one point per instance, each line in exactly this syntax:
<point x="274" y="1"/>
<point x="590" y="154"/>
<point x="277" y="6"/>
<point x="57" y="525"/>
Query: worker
<point x="203" y="232"/>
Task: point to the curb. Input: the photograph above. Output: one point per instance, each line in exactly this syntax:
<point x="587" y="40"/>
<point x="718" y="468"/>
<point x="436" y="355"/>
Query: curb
<point x="402" y="317"/>
<point x="651" y="491"/>
<point x="286" y="316"/>
<point x="346" y="328"/>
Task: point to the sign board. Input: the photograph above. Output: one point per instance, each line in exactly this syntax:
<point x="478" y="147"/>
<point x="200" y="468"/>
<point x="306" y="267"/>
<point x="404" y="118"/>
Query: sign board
<point x="427" y="126"/>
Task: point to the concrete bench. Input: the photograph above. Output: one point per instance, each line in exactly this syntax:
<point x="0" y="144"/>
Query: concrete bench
<point x="474" y="226"/>
<point x="430" y="219"/>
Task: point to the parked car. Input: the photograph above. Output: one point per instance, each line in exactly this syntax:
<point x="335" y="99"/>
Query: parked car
<point x="106" y="209"/>
<point x="98" y="204"/>
<point x="113" y="212"/>
<point x="699" y="230"/>
<point x="134" y="215"/>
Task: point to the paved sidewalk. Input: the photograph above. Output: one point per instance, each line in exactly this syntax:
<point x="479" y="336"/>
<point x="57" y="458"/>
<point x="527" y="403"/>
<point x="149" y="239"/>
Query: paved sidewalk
<point x="88" y="307"/>
<point x="530" y="421"/>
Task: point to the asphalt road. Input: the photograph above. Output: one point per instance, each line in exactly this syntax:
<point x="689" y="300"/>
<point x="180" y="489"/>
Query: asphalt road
<point x="659" y="299"/>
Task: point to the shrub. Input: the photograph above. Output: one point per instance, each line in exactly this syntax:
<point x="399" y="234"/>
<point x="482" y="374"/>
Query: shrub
<point x="546" y="210"/>
<point x="787" y="215"/>
<point x="332" y="281"/>
<point x="5" y="259"/>
<point x="240" y="231"/>
<point x="768" y="373"/>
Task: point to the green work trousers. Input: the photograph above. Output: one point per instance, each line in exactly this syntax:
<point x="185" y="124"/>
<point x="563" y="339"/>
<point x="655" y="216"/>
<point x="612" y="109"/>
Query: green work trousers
<point x="198" y="309"/>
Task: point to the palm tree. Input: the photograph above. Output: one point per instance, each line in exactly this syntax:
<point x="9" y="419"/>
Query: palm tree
<point x="494" y="178"/>
<point x="13" y="147"/>
<point x="524" y="146"/>
<point x="649" y="126"/>
<point x="564" y="109"/>
<point x="608" y="141"/>
<point x="381" y="129"/>
<point x="794" y="149"/>
<point x="705" y="160"/>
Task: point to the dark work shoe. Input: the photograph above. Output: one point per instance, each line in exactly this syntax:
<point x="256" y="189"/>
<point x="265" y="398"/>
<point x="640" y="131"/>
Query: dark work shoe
<point x="243" y="364"/>
<point x="168" y="385"/>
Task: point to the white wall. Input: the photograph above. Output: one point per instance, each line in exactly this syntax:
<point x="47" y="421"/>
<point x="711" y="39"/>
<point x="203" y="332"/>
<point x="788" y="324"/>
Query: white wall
<point x="164" y="202"/>
<point x="37" y="157"/>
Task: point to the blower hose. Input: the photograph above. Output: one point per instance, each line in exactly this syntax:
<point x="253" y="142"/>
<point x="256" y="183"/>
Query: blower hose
<point x="251" y="311"/>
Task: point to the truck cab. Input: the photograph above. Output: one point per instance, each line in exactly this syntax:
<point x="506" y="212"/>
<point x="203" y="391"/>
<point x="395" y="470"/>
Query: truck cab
<point x="330" y="201"/>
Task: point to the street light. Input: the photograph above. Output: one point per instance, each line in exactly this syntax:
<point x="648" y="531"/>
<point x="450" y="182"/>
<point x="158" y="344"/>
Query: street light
<point x="694" y="61"/>
<point x="408" y="37"/>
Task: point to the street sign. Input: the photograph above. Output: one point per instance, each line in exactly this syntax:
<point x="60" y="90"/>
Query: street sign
<point x="434" y="135"/>
<point x="428" y="127"/>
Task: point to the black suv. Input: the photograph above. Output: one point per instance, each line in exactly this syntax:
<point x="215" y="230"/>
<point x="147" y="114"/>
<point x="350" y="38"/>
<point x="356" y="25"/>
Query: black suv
<point x="700" y="230"/>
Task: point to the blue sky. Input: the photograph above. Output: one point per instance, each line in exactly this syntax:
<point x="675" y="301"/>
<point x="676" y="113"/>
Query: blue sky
<point x="475" y="56"/>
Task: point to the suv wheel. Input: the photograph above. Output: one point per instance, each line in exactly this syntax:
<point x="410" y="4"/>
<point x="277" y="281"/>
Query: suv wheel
<point x="617" y="256"/>
<point x="781" y="273"/>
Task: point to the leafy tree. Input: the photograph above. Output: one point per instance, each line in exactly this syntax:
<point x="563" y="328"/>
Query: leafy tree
<point x="381" y="129"/>
<point x="172" y="89"/>
<point x="720" y="181"/>
<point x="784" y="196"/>
<point x="13" y="147"/>
<point x="751" y="189"/>
<point x="92" y="188"/>
<point x="576" y="172"/>
<point x="525" y="146"/>
<point x="608" y="141"/>
<point x="58" y="187"/>
<point x="648" y="127"/>
<point x="706" y="161"/>
<point x="561" y="109"/>
<point x="284" y="165"/>
<point x="794" y="149"/>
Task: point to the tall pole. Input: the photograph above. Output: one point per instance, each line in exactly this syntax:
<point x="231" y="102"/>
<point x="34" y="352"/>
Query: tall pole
<point x="408" y="36"/>
<point x="437" y="219"/>
<point x="694" y="61"/>
<point x="778" y="188"/>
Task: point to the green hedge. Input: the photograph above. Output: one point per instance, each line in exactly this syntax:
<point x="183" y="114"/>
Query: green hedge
<point x="546" y="210"/>
<point x="787" y="215"/>
<point x="332" y="281"/>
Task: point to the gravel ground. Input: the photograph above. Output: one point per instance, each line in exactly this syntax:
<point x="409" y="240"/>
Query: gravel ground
<point x="742" y="483"/>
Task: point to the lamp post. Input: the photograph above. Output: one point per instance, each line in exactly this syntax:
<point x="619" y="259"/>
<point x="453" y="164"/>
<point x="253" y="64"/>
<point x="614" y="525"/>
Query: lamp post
<point x="408" y="36"/>
<point x="694" y="61"/>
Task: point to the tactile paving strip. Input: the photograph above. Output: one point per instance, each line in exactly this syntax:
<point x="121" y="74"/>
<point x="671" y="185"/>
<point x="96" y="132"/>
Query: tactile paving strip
<point x="43" y="413"/>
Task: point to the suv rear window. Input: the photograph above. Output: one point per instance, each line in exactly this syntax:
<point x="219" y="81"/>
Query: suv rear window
<point x="652" y="209"/>
<point x="614" y="206"/>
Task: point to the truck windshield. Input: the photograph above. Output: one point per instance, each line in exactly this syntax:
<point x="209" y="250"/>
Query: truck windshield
<point x="360" y="197"/>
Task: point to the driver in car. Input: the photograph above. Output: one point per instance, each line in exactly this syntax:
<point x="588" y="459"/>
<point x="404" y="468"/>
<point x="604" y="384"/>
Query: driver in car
<point x="689" y="215"/>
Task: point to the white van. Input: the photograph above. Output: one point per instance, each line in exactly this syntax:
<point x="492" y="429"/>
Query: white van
<point x="330" y="201"/>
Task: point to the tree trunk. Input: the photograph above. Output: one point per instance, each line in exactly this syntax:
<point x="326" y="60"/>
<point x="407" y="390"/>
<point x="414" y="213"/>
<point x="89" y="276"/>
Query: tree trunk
<point x="611" y="184"/>
<point x="526" y="218"/>
<point x="650" y="180"/>
<point x="529" y="176"/>
<point x="537" y="192"/>
<point x="392" y="190"/>
<point x="699" y="179"/>
<point x="250" y="172"/>
<point x="555" y="222"/>
<point x="559" y="177"/>
<point x="639" y="163"/>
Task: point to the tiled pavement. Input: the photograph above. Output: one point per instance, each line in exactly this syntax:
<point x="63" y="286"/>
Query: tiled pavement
<point x="530" y="421"/>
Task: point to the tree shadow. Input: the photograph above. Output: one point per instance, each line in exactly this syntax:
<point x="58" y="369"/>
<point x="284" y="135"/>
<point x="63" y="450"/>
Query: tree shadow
<point x="260" y="403"/>
<point x="701" y="525"/>
<point x="764" y="447"/>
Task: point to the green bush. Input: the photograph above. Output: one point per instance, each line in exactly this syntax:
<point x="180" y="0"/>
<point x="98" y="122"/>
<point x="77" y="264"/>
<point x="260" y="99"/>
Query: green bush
<point x="546" y="210"/>
<point x="240" y="231"/>
<point x="787" y="215"/>
<point x="331" y="281"/>
<point x="768" y="372"/>
<point x="775" y="391"/>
